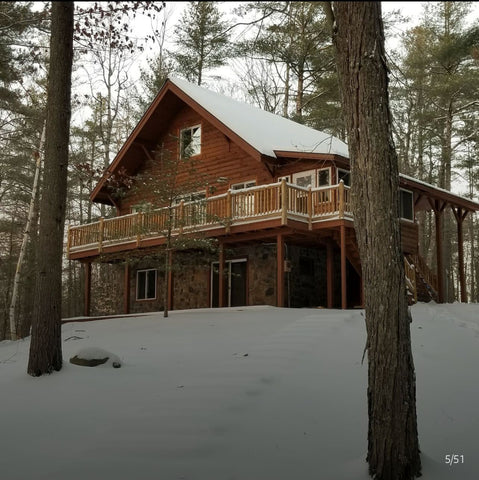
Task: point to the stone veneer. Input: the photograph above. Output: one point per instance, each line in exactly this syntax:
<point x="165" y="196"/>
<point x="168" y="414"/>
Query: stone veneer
<point x="305" y="283"/>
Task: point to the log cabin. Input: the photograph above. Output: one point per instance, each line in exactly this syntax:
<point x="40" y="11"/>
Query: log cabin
<point x="277" y="204"/>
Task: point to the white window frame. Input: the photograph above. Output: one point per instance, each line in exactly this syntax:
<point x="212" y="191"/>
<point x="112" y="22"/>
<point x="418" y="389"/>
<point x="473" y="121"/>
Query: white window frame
<point x="191" y="197"/>
<point x="329" y="176"/>
<point x="305" y="173"/>
<point x="194" y="143"/>
<point x="145" y="272"/>
<point x="243" y="206"/>
<point x="401" y="205"/>
<point x="141" y="207"/>
<point x="242" y="185"/>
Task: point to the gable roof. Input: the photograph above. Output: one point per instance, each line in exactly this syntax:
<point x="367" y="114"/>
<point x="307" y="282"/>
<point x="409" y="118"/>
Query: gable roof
<point x="264" y="131"/>
<point x="260" y="133"/>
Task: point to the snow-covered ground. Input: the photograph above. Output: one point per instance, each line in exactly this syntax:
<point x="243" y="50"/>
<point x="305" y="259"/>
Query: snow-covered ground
<point x="253" y="393"/>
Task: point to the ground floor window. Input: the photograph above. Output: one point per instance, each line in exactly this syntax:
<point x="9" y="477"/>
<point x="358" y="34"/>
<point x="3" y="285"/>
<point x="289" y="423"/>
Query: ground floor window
<point x="146" y="284"/>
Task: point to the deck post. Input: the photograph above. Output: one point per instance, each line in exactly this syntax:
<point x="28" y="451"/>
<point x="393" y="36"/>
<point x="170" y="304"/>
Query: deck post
<point x="279" y="270"/>
<point x="460" y="216"/>
<point x="170" y="281"/>
<point x="330" y="275"/>
<point x="438" y="211"/>
<point x="341" y="199"/>
<point x="344" y="300"/>
<point x="100" y="235"/>
<point x="284" y="202"/>
<point x="126" y="287"/>
<point x="221" y="277"/>
<point x="87" y="298"/>
<point x="139" y="226"/>
<point x="310" y="208"/>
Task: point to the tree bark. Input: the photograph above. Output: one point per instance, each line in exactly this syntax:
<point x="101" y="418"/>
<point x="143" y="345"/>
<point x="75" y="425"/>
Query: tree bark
<point x="25" y="240"/>
<point x="45" y="347"/>
<point x="393" y="449"/>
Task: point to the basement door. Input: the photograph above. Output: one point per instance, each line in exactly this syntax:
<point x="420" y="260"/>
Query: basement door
<point x="235" y="283"/>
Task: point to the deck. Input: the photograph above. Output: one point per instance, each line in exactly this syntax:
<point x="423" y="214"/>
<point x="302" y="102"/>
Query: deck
<point x="252" y="208"/>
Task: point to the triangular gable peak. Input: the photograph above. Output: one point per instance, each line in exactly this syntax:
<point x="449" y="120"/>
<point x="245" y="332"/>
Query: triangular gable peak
<point x="263" y="135"/>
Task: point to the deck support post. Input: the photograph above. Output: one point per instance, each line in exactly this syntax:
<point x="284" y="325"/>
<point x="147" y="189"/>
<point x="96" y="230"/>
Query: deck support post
<point x="87" y="298"/>
<point x="280" y="270"/>
<point x="221" y="277"/>
<point x="344" y="300"/>
<point x="330" y="275"/>
<point x="170" y="281"/>
<point x="438" y="216"/>
<point x="126" y="288"/>
<point x="460" y="215"/>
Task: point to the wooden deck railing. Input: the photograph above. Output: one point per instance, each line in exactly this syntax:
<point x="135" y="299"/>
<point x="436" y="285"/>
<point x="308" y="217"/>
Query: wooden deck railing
<point x="279" y="200"/>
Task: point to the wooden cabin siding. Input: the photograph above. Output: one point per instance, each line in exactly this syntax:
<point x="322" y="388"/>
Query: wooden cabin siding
<point x="219" y="158"/>
<point x="409" y="237"/>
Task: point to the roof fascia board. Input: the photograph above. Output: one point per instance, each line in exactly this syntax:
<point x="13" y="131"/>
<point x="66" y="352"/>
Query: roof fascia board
<point x="438" y="193"/>
<point x="130" y="140"/>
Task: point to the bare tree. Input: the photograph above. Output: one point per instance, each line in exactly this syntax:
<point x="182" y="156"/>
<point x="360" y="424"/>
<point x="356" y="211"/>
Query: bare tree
<point x="45" y="347"/>
<point x="393" y="447"/>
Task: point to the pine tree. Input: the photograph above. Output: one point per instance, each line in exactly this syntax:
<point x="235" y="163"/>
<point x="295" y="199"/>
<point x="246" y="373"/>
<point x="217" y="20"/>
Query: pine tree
<point x="202" y="41"/>
<point x="45" y="348"/>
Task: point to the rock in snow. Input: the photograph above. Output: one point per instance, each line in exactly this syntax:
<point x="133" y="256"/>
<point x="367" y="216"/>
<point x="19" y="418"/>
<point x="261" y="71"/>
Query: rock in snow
<point x="92" y="357"/>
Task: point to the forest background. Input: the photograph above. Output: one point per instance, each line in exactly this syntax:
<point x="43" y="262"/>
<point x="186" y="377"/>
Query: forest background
<point x="275" y="55"/>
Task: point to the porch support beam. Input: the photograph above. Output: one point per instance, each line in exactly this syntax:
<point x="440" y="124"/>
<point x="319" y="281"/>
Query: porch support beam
<point x="438" y="208"/>
<point x="344" y="292"/>
<point x="126" y="287"/>
<point x="460" y="215"/>
<point x="330" y="275"/>
<point x="280" y="270"/>
<point x="221" y="277"/>
<point x="170" y="281"/>
<point x="87" y="298"/>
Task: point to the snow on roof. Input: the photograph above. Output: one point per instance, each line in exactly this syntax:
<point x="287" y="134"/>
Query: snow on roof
<point x="420" y="182"/>
<point x="264" y="131"/>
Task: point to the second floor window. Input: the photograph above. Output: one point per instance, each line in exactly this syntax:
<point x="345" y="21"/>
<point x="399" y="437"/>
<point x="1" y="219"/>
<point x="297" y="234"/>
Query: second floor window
<point x="190" y="141"/>
<point x="345" y="176"/>
<point x="406" y="205"/>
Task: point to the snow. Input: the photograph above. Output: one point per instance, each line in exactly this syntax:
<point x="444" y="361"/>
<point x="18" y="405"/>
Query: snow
<point x="263" y="130"/>
<point x="250" y="393"/>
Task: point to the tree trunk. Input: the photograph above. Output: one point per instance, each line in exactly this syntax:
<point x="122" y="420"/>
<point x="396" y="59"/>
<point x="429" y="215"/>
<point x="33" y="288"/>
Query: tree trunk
<point x="45" y="347"/>
<point x="26" y="238"/>
<point x="393" y="450"/>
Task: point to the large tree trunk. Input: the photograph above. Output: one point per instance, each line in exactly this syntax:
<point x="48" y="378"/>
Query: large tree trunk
<point x="45" y="348"/>
<point x="393" y="451"/>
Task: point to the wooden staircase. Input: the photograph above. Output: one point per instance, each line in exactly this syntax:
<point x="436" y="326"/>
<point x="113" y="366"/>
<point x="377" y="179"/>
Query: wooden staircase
<point x="420" y="280"/>
<point x="352" y="251"/>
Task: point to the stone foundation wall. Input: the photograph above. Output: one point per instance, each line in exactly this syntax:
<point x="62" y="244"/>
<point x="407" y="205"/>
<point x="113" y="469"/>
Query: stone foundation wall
<point x="305" y="284"/>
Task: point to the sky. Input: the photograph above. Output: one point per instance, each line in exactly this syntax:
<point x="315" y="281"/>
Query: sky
<point x="245" y="393"/>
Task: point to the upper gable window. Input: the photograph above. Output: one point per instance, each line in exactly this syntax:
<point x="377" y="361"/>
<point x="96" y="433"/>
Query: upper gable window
<point x="190" y="141"/>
